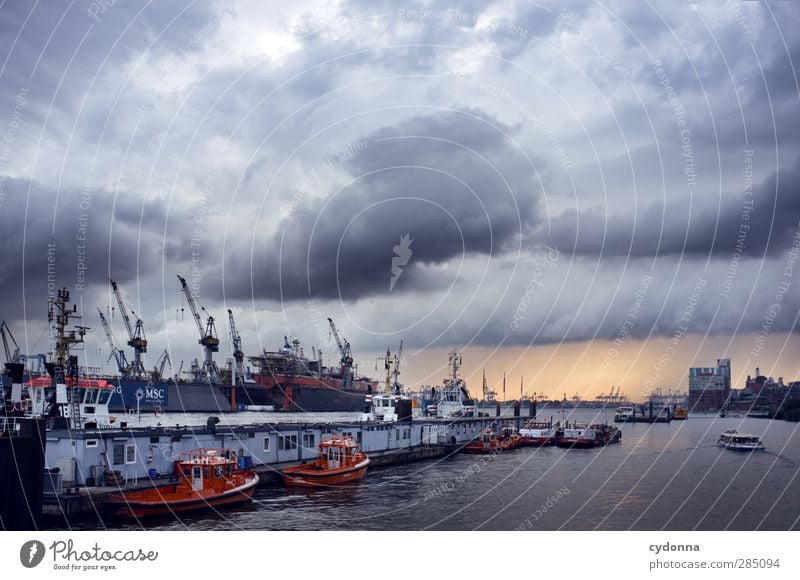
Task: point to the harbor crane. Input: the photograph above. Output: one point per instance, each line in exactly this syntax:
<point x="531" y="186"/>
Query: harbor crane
<point x="116" y="352"/>
<point x="347" y="358"/>
<point x="238" y="354"/>
<point x="136" y="337"/>
<point x="208" y="335"/>
<point x="161" y="363"/>
<point x="5" y="331"/>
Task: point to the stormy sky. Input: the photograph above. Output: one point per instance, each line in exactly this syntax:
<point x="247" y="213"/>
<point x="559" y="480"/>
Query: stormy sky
<point x="586" y="193"/>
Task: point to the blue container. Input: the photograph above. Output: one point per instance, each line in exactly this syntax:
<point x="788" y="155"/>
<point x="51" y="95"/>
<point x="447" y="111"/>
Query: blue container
<point x="240" y="463"/>
<point x="152" y="473"/>
<point x="245" y="462"/>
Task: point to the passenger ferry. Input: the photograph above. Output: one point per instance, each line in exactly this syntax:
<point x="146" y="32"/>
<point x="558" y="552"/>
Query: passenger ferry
<point x="732" y="439"/>
<point x="624" y="413"/>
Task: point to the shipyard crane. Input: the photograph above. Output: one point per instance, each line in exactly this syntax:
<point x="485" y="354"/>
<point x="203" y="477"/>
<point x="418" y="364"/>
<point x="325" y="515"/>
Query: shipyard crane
<point x="116" y="352"/>
<point x="136" y="338"/>
<point x="238" y="355"/>
<point x="208" y="335"/>
<point x="161" y="363"/>
<point x="5" y="331"/>
<point x="347" y="358"/>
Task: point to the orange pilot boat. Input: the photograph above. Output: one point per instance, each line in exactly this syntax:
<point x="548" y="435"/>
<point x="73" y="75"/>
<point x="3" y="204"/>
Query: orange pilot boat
<point x="340" y="461"/>
<point x="207" y="478"/>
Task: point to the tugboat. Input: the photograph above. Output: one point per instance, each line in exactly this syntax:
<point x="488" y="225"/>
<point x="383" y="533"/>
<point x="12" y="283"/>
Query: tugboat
<point x="606" y="435"/>
<point x="577" y="437"/>
<point x="538" y="433"/>
<point x="487" y="442"/>
<point x="340" y="461"/>
<point x="392" y="405"/>
<point x="452" y="399"/>
<point x="208" y="478"/>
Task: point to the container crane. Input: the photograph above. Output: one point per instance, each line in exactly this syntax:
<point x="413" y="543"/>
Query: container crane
<point x="116" y="352"/>
<point x="136" y="338"/>
<point x="208" y="335"/>
<point x="347" y="358"/>
<point x="238" y="355"/>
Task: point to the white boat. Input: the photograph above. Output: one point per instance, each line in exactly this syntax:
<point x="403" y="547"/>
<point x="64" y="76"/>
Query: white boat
<point x="732" y="439"/>
<point x="453" y="399"/>
<point x="624" y="413"/>
<point x="391" y="405"/>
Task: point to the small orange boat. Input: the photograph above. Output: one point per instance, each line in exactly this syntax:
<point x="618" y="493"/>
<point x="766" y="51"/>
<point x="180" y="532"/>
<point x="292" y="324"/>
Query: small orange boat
<point x="487" y="442"/>
<point x="340" y="461"/>
<point x="208" y="478"/>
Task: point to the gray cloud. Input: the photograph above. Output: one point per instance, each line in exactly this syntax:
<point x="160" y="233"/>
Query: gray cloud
<point x="452" y="181"/>
<point x="763" y="222"/>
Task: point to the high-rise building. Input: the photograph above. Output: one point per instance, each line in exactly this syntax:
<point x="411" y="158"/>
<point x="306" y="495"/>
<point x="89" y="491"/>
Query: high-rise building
<point x="710" y="387"/>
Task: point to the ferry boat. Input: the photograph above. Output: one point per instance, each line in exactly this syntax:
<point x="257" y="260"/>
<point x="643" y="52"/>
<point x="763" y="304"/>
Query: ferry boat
<point x="680" y="414"/>
<point x="340" y="461"/>
<point x="207" y="478"/>
<point x="452" y="399"/>
<point x="624" y="413"/>
<point x="732" y="439"/>
<point x="538" y="433"/>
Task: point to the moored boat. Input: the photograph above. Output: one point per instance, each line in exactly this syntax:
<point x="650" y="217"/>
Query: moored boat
<point x="732" y="439"/>
<point x="680" y="414"/>
<point x="340" y="461"/>
<point x="624" y="413"/>
<point x="577" y="437"/>
<point x="207" y="478"/>
<point x="487" y="442"/>
<point x="538" y="433"/>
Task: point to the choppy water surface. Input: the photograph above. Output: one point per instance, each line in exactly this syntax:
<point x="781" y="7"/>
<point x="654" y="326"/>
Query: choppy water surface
<point x="661" y="477"/>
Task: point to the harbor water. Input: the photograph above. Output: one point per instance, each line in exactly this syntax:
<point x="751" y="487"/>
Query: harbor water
<point x="663" y="476"/>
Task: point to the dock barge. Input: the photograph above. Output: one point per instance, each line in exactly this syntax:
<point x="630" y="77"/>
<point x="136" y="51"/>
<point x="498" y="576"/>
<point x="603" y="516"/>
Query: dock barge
<point x="85" y="467"/>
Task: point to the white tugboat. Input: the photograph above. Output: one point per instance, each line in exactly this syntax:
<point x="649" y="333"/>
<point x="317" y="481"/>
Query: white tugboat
<point x="71" y="400"/>
<point x="452" y="399"/>
<point x="392" y="405"/>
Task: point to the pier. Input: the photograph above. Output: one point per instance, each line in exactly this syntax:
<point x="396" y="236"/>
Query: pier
<point x="94" y="464"/>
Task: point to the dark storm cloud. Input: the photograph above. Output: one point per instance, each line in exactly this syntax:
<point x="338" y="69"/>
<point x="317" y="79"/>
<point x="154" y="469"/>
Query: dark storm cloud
<point x="76" y="239"/>
<point x="452" y="181"/>
<point x="63" y="53"/>
<point x="763" y="222"/>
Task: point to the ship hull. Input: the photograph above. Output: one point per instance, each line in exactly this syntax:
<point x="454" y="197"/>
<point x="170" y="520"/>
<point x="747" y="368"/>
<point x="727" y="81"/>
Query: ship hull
<point x="131" y="395"/>
<point x="301" y="398"/>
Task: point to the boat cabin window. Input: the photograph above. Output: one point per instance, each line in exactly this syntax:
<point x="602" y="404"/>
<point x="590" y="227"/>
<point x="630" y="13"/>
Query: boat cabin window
<point x="218" y="471"/>
<point x="91" y="396"/>
<point x="103" y="397"/>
